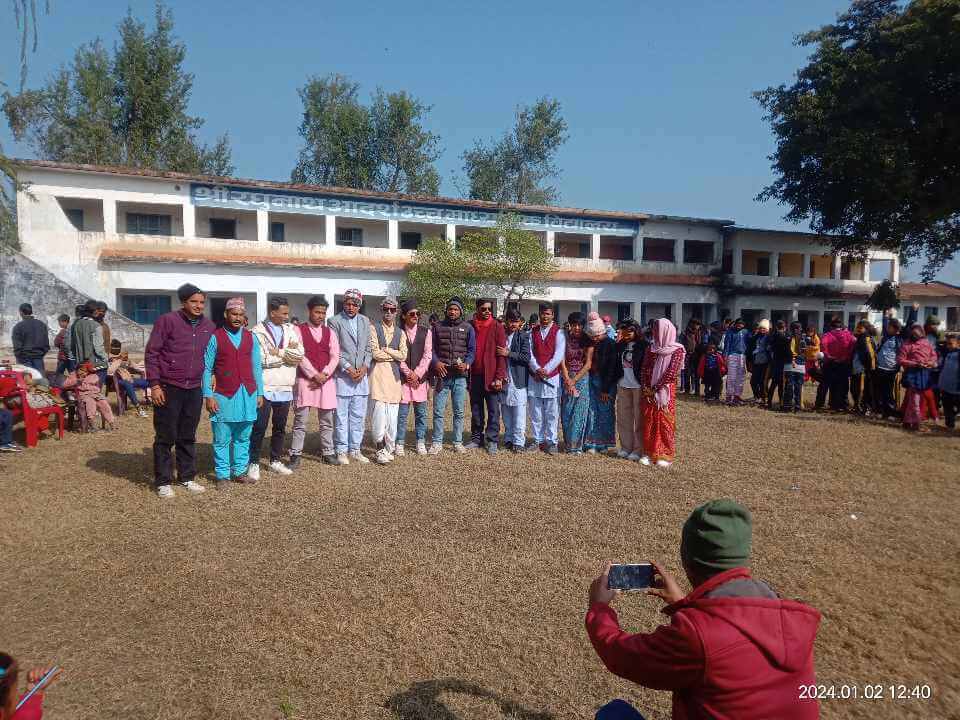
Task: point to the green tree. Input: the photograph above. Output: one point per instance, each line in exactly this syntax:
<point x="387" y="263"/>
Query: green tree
<point x="511" y="263"/>
<point x="868" y="137"/>
<point x="128" y="109"/>
<point x="438" y="272"/>
<point x="517" y="167"/>
<point x="382" y="147"/>
<point x="884" y="296"/>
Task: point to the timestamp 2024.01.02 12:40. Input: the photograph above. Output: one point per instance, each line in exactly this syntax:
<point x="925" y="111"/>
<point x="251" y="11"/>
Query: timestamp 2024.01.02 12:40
<point x="866" y="691"/>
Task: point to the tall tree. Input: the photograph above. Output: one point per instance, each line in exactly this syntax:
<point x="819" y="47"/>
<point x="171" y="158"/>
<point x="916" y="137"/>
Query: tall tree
<point x="381" y="147"/>
<point x="438" y="272"/>
<point x="868" y="137"/>
<point x="128" y="109"/>
<point x="518" y="167"/>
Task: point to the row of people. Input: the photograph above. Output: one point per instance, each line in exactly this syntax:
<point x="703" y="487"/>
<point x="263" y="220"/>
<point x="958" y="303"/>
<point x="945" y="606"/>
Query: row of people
<point x="347" y="368"/>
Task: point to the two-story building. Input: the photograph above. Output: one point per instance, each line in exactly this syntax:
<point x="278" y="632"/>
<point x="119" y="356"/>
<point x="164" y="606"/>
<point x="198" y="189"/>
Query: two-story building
<point x="131" y="237"/>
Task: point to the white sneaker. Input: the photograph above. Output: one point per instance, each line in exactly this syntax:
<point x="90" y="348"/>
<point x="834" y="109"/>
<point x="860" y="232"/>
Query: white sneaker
<point x="421" y="447"/>
<point x="193" y="486"/>
<point x="360" y="457"/>
<point x="342" y="459"/>
<point x="141" y="411"/>
<point x="399" y="451"/>
<point x="645" y="460"/>
<point x="279" y="467"/>
<point x="382" y="457"/>
<point x="458" y="447"/>
<point x="253" y="471"/>
<point x="591" y="451"/>
<point x="165" y="491"/>
<point x="664" y="463"/>
<point x="470" y="446"/>
<point x="623" y="454"/>
<point x="633" y="457"/>
<point x="435" y="449"/>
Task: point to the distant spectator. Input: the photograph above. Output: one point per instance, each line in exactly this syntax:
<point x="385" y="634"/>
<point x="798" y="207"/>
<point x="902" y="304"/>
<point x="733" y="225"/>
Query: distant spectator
<point x="100" y="315"/>
<point x="60" y="342"/>
<point x="919" y="362"/>
<point x="711" y="369"/>
<point x="609" y="328"/>
<point x="949" y="382"/>
<point x="86" y="340"/>
<point x="90" y="398"/>
<point x="837" y="348"/>
<point x="30" y="339"/>
<point x="122" y="371"/>
<point x="733" y="647"/>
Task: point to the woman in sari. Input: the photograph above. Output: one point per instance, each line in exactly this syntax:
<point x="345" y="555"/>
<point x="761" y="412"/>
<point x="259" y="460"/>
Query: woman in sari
<point x="661" y="367"/>
<point x="575" y="371"/>
<point x="918" y="360"/>
<point x="605" y="372"/>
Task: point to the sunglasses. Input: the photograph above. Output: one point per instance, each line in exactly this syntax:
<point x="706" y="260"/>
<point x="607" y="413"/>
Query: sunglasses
<point x="389" y="309"/>
<point x="486" y="308"/>
<point x="413" y="312"/>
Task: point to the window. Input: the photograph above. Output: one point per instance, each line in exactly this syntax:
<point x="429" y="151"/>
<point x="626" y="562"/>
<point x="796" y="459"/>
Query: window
<point x="727" y="265"/>
<point x="410" y="240"/>
<point x="352" y="237"/>
<point x="145" y="309"/>
<point x="658" y="250"/>
<point x="755" y="262"/>
<point x="953" y="319"/>
<point x="75" y="216"/>
<point x="881" y="270"/>
<point x="763" y="266"/>
<point x="276" y="232"/>
<point x="623" y="311"/>
<point x="697" y="251"/>
<point x="928" y="311"/>
<point x="148" y="224"/>
<point x="223" y="228"/>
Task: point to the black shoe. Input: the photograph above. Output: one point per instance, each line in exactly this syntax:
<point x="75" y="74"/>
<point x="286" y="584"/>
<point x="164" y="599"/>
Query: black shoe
<point x="294" y="462"/>
<point x="330" y="459"/>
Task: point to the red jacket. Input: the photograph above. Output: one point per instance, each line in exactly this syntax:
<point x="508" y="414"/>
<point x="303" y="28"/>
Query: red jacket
<point x="494" y="366"/>
<point x="732" y="650"/>
<point x="721" y="365"/>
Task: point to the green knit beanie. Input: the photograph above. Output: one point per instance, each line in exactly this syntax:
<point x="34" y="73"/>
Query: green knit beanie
<point x="717" y="536"/>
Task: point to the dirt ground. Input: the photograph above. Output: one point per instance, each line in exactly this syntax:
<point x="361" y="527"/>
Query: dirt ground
<point x="454" y="587"/>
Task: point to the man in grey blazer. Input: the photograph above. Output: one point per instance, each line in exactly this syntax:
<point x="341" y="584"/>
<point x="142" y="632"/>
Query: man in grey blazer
<point x="353" y="388"/>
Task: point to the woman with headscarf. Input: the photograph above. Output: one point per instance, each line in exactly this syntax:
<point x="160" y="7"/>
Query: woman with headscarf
<point x="661" y="367"/>
<point x="605" y="371"/>
<point x="575" y="370"/>
<point x="918" y="360"/>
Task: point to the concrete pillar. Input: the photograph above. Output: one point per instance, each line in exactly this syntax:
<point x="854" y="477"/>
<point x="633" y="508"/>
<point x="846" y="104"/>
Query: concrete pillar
<point x="806" y="266"/>
<point x="595" y="247"/>
<point x="263" y="228"/>
<point x="189" y="220"/>
<point x="676" y="315"/>
<point x="638" y="246"/>
<point x="261" y="305"/>
<point x="393" y="234"/>
<point x="866" y="269"/>
<point x="774" y="264"/>
<point x="737" y="261"/>
<point x="551" y="243"/>
<point x="451" y="234"/>
<point x="678" y="250"/>
<point x="330" y="230"/>
<point x="109" y="216"/>
<point x="836" y="267"/>
<point x="594" y="305"/>
<point x="896" y="269"/>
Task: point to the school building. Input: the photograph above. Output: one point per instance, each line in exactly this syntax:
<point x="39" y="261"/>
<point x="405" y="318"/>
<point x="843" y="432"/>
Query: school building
<point x="130" y="237"/>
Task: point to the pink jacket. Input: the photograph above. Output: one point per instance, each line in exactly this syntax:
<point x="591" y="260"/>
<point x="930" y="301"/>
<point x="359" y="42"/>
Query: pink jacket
<point x="838" y="345"/>
<point x="418" y="395"/>
<point x="325" y="396"/>
<point x="89" y="387"/>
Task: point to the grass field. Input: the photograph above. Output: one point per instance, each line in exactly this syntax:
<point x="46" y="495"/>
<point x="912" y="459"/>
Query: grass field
<point x="453" y="588"/>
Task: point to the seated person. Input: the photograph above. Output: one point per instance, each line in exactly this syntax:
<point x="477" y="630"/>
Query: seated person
<point x="733" y="648"/>
<point x="86" y="383"/>
<point x="6" y="432"/>
<point x="122" y="371"/>
<point x="38" y="377"/>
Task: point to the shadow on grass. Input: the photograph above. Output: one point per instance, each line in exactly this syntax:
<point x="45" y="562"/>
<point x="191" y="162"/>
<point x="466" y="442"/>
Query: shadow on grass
<point x="137" y="467"/>
<point x="422" y="701"/>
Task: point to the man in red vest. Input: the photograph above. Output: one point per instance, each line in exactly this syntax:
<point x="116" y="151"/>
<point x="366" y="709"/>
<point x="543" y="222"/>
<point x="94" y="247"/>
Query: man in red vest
<point x="547" y="344"/>
<point x="232" y="361"/>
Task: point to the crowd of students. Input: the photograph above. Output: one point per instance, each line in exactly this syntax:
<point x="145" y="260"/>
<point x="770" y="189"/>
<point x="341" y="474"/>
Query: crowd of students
<point x="905" y="372"/>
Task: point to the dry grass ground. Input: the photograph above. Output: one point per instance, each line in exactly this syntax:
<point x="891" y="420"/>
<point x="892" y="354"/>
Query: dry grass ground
<point x="449" y="588"/>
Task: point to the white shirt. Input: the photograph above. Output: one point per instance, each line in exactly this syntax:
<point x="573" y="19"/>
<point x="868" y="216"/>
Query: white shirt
<point x="549" y="388"/>
<point x="629" y="379"/>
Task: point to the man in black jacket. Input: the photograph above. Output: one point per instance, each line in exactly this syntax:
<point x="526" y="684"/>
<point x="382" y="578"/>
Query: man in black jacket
<point x="513" y="407"/>
<point x="31" y="339"/>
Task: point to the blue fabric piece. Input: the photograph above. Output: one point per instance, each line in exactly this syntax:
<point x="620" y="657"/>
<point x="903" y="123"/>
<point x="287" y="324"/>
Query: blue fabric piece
<point x="456" y="386"/>
<point x="950" y="372"/>
<point x="348" y="424"/>
<point x="420" y="421"/>
<point x="735" y="342"/>
<point x="229" y="436"/>
<point x="618" y="710"/>
<point x="601" y="423"/>
<point x="573" y="414"/>
<point x="6" y="427"/>
<point x="242" y="407"/>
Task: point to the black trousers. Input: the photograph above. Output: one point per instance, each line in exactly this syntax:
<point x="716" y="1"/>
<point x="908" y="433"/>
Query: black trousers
<point x="863" y="392"/>
<point x="951" y="406"/>
<point x="280" y="410"/>
<point x="837" y="377"/>
<point x="758" y="380"/>
<point x="775" y="382"/>
<point x="885" y="381"/>
<point x="712" y="381"/>
<point x="175" y="425"/>
<point x="480" y="397"/>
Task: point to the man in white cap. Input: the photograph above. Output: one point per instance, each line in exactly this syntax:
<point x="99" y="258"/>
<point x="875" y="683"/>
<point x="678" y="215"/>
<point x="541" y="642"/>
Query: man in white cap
<point x="353" y="386"/>
<point x="388" y="348"/>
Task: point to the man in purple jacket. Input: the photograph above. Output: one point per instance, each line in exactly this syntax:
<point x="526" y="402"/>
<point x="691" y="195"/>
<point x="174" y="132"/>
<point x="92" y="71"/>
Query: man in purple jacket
<point x="174" y="364"/>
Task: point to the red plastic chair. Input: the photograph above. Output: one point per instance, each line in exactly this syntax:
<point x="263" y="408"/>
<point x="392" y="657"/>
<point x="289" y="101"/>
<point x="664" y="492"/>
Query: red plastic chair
<point x="35" y="420"/>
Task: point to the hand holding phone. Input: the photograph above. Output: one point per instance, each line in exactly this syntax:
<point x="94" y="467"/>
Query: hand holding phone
<point x="630" y="577"/>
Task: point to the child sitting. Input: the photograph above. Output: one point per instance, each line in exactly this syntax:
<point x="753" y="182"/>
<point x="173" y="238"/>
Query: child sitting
<point x="712" y="368"/>
<point x="85" y="382"/>
<point x="122" y="372"/>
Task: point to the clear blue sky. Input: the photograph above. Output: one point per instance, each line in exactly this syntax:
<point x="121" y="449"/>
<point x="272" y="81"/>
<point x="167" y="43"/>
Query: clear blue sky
<point x="657" y="95"/>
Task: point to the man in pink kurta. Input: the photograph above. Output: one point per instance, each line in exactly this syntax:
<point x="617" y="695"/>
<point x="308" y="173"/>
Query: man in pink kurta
<point x="315" y="386"/>
<point x="413" y="372"/>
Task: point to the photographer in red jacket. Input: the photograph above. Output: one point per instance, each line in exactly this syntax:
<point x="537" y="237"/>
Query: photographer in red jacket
<point x="733" y="647"/>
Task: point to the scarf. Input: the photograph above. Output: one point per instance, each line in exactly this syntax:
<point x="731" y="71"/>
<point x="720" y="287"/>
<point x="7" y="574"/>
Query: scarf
<point x="482" y="329"/>
<point x="664" y="346"/>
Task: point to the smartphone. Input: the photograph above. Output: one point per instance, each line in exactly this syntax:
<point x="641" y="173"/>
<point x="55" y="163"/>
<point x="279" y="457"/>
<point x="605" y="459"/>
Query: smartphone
<point x="638" y="576"/>
<point x="41" y="683"/>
